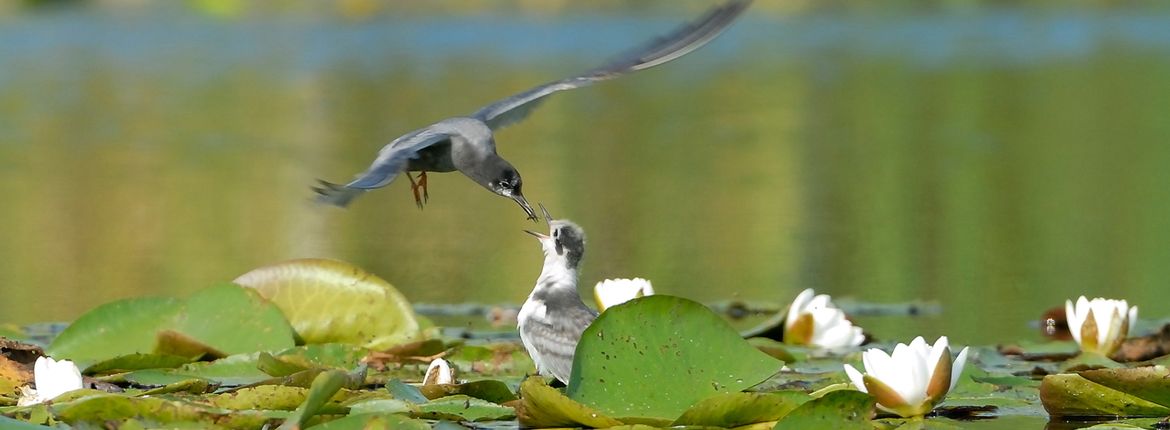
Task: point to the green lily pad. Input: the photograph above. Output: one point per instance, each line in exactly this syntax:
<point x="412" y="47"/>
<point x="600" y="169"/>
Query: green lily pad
<point x="234" y="320"/>
<point x="223" y="318"/>
<point x="11" y="424"/>
<point x="495" y="359"/>
<point x="406" y="392"/>
<point x="845" y="409"/>
<point x="738" y="409"/>
<point x="374" y="422"/>
<point x="1071" y="395"/>
<point x="193" y="386"/>
<point x="324" y="387"/>
<point x="102" y="409"/>
<point x="656" y="356"/>
<point x="1149" y="383"/>
<point x="271" y="397"/>
<point x="488" y="389"/>
<point x="465" y="408"/>
<point x="271" y="365"/>
<point x="171" y="342"/>
<point x="327" y="355"/>
<point x="235" y="370"/>
<point x="333" y="301"/>
<point x="542" y="406"/>
<point x="136" y="361"/>
<point x="115" y="329"/>
<point x="381" y="406"/>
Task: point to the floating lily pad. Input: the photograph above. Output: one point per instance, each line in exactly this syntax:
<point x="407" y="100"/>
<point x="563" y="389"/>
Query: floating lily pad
<point x="488" y="389"/>
<point x="738" y="409"/>
<point x="406" y="392"/>
<point x="102" y="409"/>
<point x="324" y="387"/>
<point x="193" y="386"/>
<point x="223" y="318"/>
<point x="333" y="301"/>
<point x="1070" y="395"/>
<point x="271" y="397"/>
<point x="543" y="406"/>
<point x="381" y="406"/>
<point x="329" y="355"/>
<point x="1150" y="383"/>
<point x="171" y="342"/>
<point x="374" y="422"/>
<point x="464" y="408"/>
<point x="839" y="410"/>
<point x="115" y="329"/>
<point x="137" y="361"/>
<point x="234" y="320"/>
<point x="495" y="359"/>
<point x="239" y="369"/>
<point x="11" y="424"/>
<point x="274" y="366"/>
<point x="656" y="356"/>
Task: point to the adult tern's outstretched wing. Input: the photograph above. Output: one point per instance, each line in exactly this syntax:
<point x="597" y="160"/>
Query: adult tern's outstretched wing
<point x="685" y="39"/>
<point x="391" y="161"/>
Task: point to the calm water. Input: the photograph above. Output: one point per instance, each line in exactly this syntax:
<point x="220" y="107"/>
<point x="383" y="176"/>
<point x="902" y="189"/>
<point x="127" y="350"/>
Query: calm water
<point x="996" y="161"/>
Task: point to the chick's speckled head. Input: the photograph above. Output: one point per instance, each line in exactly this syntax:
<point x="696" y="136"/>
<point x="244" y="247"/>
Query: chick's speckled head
<point x="564" y="240"/>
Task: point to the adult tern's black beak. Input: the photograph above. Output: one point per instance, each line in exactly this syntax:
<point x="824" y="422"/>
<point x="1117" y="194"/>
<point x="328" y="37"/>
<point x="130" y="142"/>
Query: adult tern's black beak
<point x="519" y="199"/>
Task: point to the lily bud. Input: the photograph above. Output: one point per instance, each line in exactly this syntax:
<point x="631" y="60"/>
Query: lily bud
<point x="1100" y="325"/>
<point x="439" y="372"/>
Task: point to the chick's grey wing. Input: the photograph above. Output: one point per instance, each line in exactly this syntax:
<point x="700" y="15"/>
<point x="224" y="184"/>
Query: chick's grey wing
<point x="661" y="50"/>
<point x="555" y="339"/>
<point x="392" y="159"/>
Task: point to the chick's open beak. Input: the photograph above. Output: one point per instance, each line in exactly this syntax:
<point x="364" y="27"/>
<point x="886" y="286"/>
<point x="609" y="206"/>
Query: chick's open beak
<point x="540" y="236"/>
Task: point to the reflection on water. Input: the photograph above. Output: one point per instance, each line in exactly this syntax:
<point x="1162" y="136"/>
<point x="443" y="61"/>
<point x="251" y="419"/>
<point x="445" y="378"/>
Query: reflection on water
<point x="997" y="161"/>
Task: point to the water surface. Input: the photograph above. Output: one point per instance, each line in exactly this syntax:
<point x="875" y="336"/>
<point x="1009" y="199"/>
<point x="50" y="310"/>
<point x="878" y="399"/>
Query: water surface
<point x="994" y="160"/>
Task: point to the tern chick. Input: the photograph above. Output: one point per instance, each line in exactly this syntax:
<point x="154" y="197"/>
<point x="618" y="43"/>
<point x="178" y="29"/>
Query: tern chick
<point x="553" y="318"/>
<point x="467" y="144"/>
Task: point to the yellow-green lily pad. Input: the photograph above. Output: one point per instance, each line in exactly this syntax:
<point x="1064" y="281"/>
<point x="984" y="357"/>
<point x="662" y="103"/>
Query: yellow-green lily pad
<point x="333" y="301"/>
<point x="542" y="406"/>
<point x="374" y="422"/>
<point x="487" y="389"/>
<point x="838" y="410"/>
<point x="464" y="408"/>
<point x="1150" y="382"/>
<point x="324" y="387"/>
<point x="102" y="409"/>
<point x="1071" y="395"/>
<point x="193" y="386"/>
<point x="738" y="409"/>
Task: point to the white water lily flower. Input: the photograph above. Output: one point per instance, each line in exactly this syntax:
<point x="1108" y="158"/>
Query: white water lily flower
<point x="1100" y="325"/>
<point x="613" y="292"/>
<point x="912" y="380"/>
<point x="53" y="378"/>
<point x="439" y="372"/>
<point x="813" y="320"/>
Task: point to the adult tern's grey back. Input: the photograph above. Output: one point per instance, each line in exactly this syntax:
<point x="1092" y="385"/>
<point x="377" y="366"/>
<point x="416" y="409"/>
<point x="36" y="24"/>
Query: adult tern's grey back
<point x="467" y="144"/>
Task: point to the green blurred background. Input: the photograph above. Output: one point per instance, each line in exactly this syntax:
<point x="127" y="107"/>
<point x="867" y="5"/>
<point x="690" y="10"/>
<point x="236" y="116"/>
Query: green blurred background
<point x="994" y="157"/>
